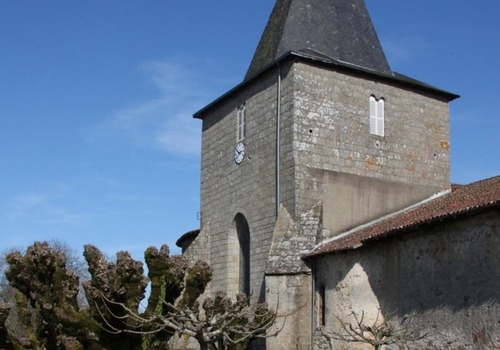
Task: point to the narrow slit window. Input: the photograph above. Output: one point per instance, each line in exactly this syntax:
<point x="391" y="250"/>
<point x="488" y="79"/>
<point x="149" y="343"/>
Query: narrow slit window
<point x="321" y="306"/>
<point x="241" y="123"/>
<point x="377" y="112"/>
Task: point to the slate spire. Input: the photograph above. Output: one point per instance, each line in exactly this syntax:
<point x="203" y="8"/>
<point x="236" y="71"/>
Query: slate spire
<point x="338" y="29"/>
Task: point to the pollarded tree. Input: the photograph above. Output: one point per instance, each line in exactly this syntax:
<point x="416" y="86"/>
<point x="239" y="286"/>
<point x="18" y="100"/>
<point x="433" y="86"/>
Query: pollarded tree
<point x="173" y="308"/>
<point x="122" y="281"/>
<point x="115" y="291"/>
<point x="219" y="324"/>
<point x="74" y="262"/>
<point x="46" y="303"/>
<point x="50" y="317"/>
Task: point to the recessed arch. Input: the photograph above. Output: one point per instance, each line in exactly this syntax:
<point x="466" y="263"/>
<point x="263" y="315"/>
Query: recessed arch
<point x="243" y="233"/>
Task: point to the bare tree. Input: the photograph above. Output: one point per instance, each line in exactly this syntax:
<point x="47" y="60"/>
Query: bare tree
<point x="219" y="324"/>
<point x="378" y="333"/>
<point x="173" y="306"/>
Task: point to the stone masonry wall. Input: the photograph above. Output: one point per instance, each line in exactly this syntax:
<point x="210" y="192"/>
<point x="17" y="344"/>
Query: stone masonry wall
<point x="329" y="160"/>
<point x="448" y="275"/>
<point x="288" y="279"/>
<point x="249" y="188"/>
<point x="290" y="295"/>
<point x="332" y="135"/>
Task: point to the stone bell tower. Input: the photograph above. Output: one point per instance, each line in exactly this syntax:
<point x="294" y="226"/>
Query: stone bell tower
<point x="321" y="136"/>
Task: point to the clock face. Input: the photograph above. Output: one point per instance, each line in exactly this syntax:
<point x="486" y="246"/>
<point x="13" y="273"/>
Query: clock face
<point x="239" y="153"/>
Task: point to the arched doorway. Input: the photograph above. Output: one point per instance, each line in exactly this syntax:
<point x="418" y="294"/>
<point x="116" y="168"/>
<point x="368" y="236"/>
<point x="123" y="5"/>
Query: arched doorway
<point x="243" y="232"/>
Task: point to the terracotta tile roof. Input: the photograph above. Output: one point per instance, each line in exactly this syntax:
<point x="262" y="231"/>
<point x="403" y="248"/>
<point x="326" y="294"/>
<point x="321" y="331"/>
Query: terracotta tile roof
<point x="461" y="200"/>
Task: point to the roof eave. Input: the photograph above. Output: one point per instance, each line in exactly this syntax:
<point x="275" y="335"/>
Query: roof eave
<point x="322" y="60"/>
<point x="412" y="227"/>
<point x="395" y="77"/>
<point x="188" y="235"/>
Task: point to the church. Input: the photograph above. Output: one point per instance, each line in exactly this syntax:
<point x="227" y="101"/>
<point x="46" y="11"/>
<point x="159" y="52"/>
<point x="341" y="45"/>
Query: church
<point x="325" y="191"/>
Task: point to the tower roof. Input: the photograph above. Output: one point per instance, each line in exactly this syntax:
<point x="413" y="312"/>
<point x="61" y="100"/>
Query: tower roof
<point x="339" y="29"/>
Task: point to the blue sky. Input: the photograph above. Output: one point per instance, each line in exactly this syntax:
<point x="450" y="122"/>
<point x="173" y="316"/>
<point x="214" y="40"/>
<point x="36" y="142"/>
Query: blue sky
<point x="96" y="137"/>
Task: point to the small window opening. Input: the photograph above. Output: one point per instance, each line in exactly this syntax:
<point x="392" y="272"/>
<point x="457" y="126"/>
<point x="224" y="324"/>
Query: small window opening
<point x="241" y="123"/>
<point x="321" y="306"/>
<point x="377" y="111"/>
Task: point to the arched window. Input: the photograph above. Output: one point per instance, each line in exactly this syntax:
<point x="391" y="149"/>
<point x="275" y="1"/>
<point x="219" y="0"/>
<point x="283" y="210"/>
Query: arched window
<point x="377" y="111"/>
<point x="242" y="129"/>
<point x="243" y="232"/>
